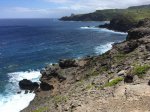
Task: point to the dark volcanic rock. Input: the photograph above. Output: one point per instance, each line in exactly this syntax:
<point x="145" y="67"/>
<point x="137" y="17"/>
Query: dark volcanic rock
<point x="45" y="86"/>
<point x="122" y="24"/>
<point x="67" y="63"/>
<point x="148" y="47"/>
<point x="137" y="33"/>
<point x="130" y="46"/>
<point x="28" y="85"/>
<point x="144" y="23"/>
<point x="128" y="79"/>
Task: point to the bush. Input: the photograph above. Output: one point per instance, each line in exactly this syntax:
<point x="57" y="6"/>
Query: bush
<point x="140" y="70"/>
<point x="114" y="82"/>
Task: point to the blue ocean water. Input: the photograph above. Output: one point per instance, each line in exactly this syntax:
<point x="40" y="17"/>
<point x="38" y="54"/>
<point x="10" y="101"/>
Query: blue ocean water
<point x="27" y="45"/>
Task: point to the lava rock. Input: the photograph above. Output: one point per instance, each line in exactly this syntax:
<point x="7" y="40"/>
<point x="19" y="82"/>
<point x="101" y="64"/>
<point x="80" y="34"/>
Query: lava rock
<point x="28" y="85"/>
<point x="45" y="86"/>
<point x="67" y="63"/>
<point x="128" y="79"/>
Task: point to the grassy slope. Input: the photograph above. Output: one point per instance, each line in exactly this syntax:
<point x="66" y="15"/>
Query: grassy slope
<point x="136" y="12"/>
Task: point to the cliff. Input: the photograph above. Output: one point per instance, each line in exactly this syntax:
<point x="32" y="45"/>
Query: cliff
<point x="137" y="12"/>
<point x="117" y="80"/>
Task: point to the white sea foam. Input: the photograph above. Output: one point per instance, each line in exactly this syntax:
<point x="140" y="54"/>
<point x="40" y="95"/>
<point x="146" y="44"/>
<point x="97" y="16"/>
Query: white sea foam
<point x="111" y="31"/>
<point x="103" y="48"/>
<point x="13" y="102"/>
<point x="103" y="30"/>
<point x="91" y="27"/>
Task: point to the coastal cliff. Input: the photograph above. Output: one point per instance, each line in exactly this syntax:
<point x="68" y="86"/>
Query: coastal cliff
<point x="117" y="80"/>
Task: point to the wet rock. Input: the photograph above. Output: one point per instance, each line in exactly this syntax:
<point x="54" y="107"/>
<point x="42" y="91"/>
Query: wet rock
<point x="45" y="86"/>
<point x="28" y="85"/>
<point x="67" y="63"/>
<point x="26" y="92"/>
<point x="19" y="92"/>
<point x="128" y="79"/>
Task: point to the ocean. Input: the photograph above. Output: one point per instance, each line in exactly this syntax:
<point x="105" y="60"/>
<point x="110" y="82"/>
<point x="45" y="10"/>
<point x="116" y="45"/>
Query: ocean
<point x="28" y="45"/>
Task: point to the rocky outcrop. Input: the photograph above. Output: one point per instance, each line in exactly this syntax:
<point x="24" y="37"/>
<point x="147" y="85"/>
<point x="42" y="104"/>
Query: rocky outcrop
<point x="45" y="86"/>
<point x="67" y="63"/>
<point x="137" y="33"/>
<point x="28" y="85"/>
<point x="121" y="23"/>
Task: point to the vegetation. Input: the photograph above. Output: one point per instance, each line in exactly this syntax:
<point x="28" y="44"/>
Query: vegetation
<point x="59" y="99"/>
<point x="114" y="82"/>
<point x="140" y="70"/>
<point x="43" y="109"/>
<point x="136" y="13"/>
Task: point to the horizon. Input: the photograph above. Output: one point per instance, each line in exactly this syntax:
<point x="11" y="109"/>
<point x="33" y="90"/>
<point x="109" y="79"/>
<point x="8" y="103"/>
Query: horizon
<point x="24" y="9"/>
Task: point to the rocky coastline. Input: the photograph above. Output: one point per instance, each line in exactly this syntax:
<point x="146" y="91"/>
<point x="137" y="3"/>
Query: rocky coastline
<point x="118" y="80"/>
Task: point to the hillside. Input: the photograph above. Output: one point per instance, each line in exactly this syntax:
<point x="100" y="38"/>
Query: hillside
<point x="136" y="12"/>
<point x="116" y="81"/>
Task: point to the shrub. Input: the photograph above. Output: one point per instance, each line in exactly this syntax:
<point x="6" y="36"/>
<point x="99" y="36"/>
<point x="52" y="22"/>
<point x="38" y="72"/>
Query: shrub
<point x="114" y="82"/>
<point x="140" y="70"/>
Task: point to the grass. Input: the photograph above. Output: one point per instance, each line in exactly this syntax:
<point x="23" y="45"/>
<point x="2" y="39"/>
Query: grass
<point x="89" y="86"/>
<point x="140" y="70"/>
<point x="43" y="109"/>
<point x="114" y="82"/>
<point x="60" y="99"/>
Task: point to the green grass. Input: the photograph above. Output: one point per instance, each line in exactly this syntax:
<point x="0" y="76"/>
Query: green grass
<point x="114" y="82"/>
<point x="43" y="109"/>
<point x="60" y="99"/>
<point x="140" y="70"/>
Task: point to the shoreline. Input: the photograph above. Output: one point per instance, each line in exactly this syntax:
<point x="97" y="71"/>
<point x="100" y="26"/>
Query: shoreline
<point x="99" y="78"/>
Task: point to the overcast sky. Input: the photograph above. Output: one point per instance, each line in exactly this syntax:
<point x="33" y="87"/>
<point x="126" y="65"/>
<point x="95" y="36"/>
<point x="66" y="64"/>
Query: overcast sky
<point x="58" y="8"/>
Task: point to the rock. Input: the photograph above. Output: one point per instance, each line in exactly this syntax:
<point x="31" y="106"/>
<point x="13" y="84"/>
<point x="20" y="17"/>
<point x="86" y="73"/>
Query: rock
<point x="28" y="85"/>
<point x="129" y="47"/>
<point x="128" y="79"/>
<point x="26" y="92"/>
<point x="45" y="86"/>
<point x="149" y="82"/>
<point x="67" y="63"/>
<point x="19" y="92"/>
<point x="120" y="23"/>
<point x="122" y="73"/>
<point x="137" y="33"/>
<point x="144" y="23"/>
<point x="148" y="47"/>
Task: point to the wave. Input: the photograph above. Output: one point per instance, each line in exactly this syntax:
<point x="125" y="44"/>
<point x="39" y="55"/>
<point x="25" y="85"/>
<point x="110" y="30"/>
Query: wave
<point x="103" y="48"/>
<point x="103" y="30"/>
<point x="91" y="27"/>
<point x="13" y="102"/>
<point x="112" y="31"/>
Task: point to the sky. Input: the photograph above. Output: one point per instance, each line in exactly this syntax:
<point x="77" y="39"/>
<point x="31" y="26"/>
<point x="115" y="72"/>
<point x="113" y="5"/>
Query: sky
<point x="59" y="8"/>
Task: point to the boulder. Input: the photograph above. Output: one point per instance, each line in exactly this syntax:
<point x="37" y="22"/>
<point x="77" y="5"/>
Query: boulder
<point x="28" y="85"/>
<point x="45" y="86"/>
<point x="149" y="82"/>
<point x="67" y="63"/>
<point x="128" y="79"/>
<point x="122" y="73"/>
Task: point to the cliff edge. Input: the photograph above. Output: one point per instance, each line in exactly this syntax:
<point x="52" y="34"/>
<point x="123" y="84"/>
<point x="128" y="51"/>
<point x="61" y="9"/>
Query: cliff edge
<point x="117" y="80"/>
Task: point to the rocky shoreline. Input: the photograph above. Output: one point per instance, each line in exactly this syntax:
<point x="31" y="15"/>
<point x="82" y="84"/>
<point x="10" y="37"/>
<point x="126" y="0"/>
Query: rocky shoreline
<point x="117" y="80"/>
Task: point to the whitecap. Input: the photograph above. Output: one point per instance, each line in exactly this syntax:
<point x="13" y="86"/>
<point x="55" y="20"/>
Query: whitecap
<point x="112" y="31"/>
<point x="13" y="102"/>
<point x="103" y="48"/>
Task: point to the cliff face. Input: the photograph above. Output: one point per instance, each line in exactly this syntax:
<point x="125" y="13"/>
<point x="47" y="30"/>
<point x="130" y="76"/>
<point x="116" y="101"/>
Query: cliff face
<point x="116" y="81"/>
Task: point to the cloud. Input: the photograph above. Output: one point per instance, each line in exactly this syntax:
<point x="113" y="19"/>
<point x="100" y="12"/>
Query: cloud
<point x="58" y="8"/>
